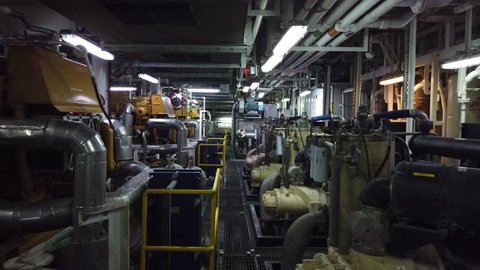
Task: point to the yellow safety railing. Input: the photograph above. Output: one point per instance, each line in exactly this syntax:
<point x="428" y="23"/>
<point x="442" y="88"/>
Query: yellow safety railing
<point x="214" y="210"/>
<point x="222" y="153"/>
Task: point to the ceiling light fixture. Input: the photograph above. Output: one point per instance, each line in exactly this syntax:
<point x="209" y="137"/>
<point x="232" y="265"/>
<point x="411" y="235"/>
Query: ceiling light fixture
<point x="246" y="89"/>
<point x="466" y="62"/>
<point x="122" y="88"/>
<point x="261" y="94"/>
<point x="293" y="35"/>
<point x="147" y="77"/>
<point x="391" y="80"/>
<point x="289" y="39"/>
<point x="89" y="46"/>
<point x="254" y="85"/>
<point x="304" y="93"/>
<point x="203" y="90"/>
<point x="272" y="62"/>
<point x="286" y="100"/>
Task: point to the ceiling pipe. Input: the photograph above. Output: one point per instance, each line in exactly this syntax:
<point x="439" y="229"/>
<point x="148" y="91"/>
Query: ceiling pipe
<point x="393" y="23"/>
<point x="354" y="14"/>
<point x="371" y="17"/>
<point x="305" y="10"/>
<point x="315" y="20"/>
<point x="258" y="20"/>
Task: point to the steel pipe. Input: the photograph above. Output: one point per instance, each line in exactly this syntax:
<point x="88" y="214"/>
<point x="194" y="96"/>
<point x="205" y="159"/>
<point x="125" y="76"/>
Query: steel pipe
<point x="85" y="143"/>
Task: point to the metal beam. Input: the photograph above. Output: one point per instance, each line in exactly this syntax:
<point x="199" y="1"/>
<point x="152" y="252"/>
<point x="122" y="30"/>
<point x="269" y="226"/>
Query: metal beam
<point x="264" y="13"/>
<point x="364" y="47"/>
<point x="211" y="75"/>
<point x="185" y="65"/>
<point x="178" y="48"/>
<point x="328" y="49"/>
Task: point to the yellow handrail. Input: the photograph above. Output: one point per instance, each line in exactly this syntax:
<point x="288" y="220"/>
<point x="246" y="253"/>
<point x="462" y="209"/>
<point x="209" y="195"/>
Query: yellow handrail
<point x="214" y="192"/>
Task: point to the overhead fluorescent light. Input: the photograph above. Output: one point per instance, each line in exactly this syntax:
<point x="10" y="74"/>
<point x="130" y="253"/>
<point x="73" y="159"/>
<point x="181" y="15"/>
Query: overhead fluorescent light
<point x="466" y="62"/>
<point x="261" y="94"/>
<point x="123" y="88"/>
<point x="272" y="62"/>
<point x="304" y="93"/>
<point x="89" y="46"/>
<point x="203" y="90"/>
<point x="393" y="80"/>
<point x="286" y="100"/>
<point x="147" y="77"/>
<point x="246" y="89"/>
<point x="289" y="39"/>
<point x="254" y="85"/>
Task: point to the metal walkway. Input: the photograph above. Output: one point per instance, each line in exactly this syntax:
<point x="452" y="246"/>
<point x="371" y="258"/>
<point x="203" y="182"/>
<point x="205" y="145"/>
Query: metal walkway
<point x="236" y="248"/>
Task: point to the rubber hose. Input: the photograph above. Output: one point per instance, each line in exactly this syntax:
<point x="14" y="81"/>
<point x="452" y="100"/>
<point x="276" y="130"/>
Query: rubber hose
<point x="270" y="182"/>
<point x="298" y="237"/>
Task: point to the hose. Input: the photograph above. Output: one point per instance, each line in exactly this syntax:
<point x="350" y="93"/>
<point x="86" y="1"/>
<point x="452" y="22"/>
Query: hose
<point x="298" y="237"/>
<point x="270" y="182"/>
<point x="376" y="193"/>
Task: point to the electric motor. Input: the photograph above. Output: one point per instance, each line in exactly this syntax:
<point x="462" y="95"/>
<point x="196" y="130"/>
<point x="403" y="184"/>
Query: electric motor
<point x="429" y="200"/>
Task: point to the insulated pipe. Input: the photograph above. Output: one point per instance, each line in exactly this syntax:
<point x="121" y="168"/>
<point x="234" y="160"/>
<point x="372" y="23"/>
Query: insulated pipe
<point x="182" y="132"/>
<point x="393" y="23"/>
<point x="161" y="148"/>
<point x="194" y="124"/>
<point x="418" y="114"/>
<point x="447" y="147"/>
<point x="85" y="143"/>
<point x="472" y="75"/>
<point x="322" y="10"/>
<point x="303" y="13"/>
<point x="182" y="135"/>
<point x="126" y="117"/>
<point x="353" y="15"/>
<point x="298" y="236"/>
<point x="36" y="217"/>
<point x="371" y="17"/>
<point x="258" y="20"/>
<point x="123" y="143"/>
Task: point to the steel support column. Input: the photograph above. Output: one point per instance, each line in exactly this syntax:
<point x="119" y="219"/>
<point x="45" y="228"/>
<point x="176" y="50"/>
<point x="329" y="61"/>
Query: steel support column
<point x="409" y="76"/>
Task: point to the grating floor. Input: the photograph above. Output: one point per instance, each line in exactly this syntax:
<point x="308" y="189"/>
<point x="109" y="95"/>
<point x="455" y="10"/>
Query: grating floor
<point x="236" y="241"/>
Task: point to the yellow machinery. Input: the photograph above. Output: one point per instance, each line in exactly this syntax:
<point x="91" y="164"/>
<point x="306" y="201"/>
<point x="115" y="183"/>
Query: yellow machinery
<point x="57" y="81"/>
<point x="292" y="202"/>
<point x="355" y="170"/>
<point x="359" y="261"/>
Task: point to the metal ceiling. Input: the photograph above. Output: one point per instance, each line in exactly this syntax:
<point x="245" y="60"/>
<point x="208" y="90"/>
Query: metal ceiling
<point x="205" y="42"/>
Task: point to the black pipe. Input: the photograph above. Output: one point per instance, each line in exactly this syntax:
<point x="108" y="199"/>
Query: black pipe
<point x="376" y="193"/>
<point x="298" y="237"/>
<point x="448" y="147"/>
<point x="420" y="115"/>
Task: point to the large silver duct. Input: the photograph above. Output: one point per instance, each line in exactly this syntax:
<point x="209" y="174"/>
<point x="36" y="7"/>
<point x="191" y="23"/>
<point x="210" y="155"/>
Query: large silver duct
<point x="85" y="144"/>
<point x="194" y="124"/>
<point x="90" y="171"/>
<point x="122" y="143"/>
<point x="126" y="117"/>
<point x="36" y="217"/>
<point x="182" y="134"/>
